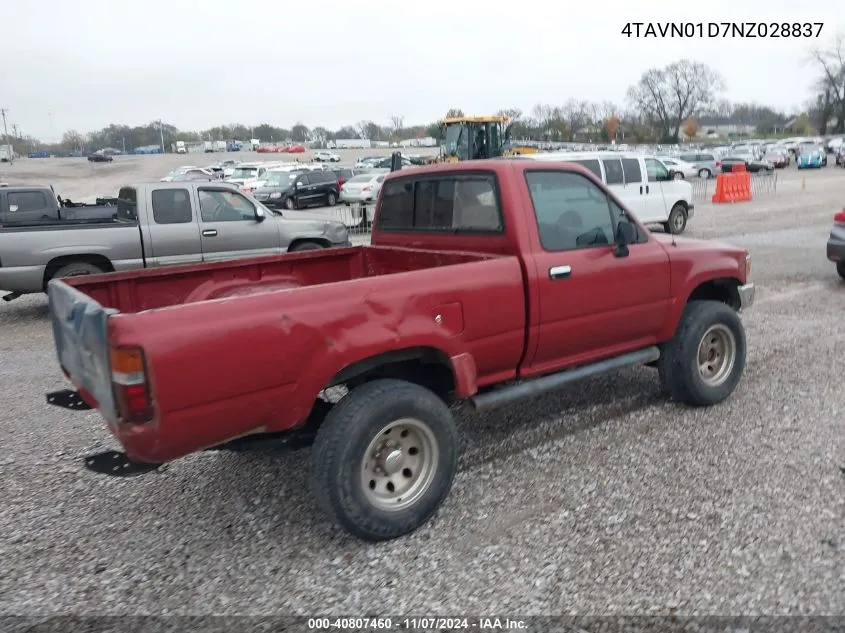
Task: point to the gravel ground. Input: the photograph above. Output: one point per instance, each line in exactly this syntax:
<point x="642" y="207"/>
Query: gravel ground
<point x="601" y="498"/>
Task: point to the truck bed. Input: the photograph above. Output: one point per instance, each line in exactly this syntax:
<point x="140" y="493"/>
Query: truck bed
<point x="150" y="289"/>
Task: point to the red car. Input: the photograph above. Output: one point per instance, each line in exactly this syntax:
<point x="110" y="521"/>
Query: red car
<point x="487" y="282"/>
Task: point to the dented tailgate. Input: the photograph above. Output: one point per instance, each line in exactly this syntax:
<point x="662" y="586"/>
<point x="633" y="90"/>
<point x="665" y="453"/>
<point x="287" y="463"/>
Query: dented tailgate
<point x="80" y="331"/>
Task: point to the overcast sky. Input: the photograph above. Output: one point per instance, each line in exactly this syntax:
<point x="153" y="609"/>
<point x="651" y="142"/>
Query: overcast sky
<point x="83" y="64"/>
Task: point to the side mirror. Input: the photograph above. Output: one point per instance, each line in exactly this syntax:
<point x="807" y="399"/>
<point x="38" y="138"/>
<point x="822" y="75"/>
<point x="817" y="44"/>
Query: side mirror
<point x="259" y="214"/>
<point x="299" y="183"/>
<point x="624" y="235"/>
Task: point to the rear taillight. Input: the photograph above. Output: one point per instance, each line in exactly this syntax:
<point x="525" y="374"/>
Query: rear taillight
<point x="718" y="164"/>
<point x="840" y="217"/>
<point x="129" y="383"/>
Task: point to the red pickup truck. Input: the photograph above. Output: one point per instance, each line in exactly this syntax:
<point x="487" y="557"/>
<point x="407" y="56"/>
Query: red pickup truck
<point x="486" y="282"/>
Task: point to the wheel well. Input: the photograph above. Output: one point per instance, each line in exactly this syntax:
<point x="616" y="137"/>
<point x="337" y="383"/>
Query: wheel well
<point x="424" y="366"/>
<point x="53" y="266"/>
<point x="683" y="203"/>
<point x="724" y="290"/>
<point x="316" y="240"/>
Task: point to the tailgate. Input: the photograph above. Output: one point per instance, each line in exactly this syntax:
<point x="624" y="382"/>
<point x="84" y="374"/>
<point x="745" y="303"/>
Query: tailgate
<point x="80" y="331"/>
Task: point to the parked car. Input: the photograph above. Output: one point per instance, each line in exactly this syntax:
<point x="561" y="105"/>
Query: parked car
<point x="362" y="189"/>
<point x="297" y="189"/>
<point x="752" y="165"/>
<point x="464" y="297"/>
<point x="159" y="224"/>
<point x="812" y="158"/>
<point x="642" y="183"/>
<point x="836" y="243"/>
<point x="40" y="206"/>
<point x="365" y="162"/>
<point x="779" y="158"/>
<point x="840" y="156"/>
<point x="708" y="164"/>
<point x="679" y="169"/>
<point x="344" y="173"/>
<point x="250" y="176"/>
<point x="326" y="157"/>
<point x="198" y="173"/>
<point x="100" y="158"/>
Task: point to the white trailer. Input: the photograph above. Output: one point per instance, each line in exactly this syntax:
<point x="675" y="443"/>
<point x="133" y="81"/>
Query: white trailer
<point x="7" y="153"/>
<point x="352" y="143"/>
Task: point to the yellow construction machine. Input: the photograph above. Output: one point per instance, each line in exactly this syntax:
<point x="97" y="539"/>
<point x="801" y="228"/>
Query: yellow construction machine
<point x="476" y="137"/>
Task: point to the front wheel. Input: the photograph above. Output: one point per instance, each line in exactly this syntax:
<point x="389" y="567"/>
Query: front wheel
<point x="384" y="459"/>
<point x="677" y="222"/>
<point x="331" y="199"/>
<point x="704" y="174"/>
<point x="840" y="268"/>
<point x="290" y="204"/>
<point x="703" y="363"/>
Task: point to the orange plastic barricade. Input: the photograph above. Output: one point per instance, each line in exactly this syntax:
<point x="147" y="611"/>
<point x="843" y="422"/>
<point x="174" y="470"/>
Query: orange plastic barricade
<point x="734" y="186"/>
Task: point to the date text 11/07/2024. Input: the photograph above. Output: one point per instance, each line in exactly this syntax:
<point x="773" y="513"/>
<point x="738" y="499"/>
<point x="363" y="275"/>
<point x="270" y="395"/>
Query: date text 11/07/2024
<point x="789" y="30"/>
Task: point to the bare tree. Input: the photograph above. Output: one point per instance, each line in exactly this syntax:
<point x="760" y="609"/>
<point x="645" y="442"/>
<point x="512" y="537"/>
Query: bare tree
<point x="831" y="86"/>
<point x="576" y="115"/>
<point x="544" y="117"/>
<point x="362" y="128"/>
<point x="397" y="123"/>
<point x="453" y="113"/>
<point x="669" y="96"/>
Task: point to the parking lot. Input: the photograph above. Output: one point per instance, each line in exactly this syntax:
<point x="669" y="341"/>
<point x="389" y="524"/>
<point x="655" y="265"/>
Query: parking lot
<point x="601" y="498"/>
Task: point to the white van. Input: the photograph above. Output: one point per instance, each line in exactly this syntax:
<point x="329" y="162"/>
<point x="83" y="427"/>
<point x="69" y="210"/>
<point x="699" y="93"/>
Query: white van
<point x="642" y="184"/>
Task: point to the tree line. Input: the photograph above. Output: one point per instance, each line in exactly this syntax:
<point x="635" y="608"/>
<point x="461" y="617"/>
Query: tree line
<point x="666" y="102"/>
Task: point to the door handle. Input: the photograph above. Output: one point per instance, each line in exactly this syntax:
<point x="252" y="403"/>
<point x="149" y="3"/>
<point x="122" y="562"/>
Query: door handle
<point x="646" y="188"/>
<point x="560" y="272"/>
<point x="641" y="190"/>
<point x="209" y="232"/>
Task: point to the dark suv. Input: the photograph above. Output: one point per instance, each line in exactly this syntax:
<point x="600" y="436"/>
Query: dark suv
<point x="298" y="189"/>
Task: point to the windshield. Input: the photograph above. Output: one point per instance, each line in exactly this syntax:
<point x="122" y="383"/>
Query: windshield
<point x="455" y="143"/>
<point x="245" y="172"/>
<point x="278" y="178"/>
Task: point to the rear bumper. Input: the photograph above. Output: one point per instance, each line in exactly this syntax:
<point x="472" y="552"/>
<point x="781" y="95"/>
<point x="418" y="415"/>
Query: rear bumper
<point x="746" y="296"/>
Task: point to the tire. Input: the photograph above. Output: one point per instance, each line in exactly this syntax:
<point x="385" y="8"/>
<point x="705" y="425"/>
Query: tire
<point x="678" y="176"/>
<point x="682" y="377"/>
<point x="306" y="246"/>
<point x="75" y="269"/>
<point x="704" y="174"/>
<point x="331" y="199"/>
<point x="677" y="222"/>
<point x="290" y="204"/>
<point x="342" y="484"/>
<point x="840" y="268"/>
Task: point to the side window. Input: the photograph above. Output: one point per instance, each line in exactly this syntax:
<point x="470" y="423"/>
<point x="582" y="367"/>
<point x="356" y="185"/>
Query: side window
<point x="304" y="178"/>
<point x="705" y="157"/>
<point x="462" y="202"/>
<point x="617" y="214"/>
<point x="632" y="171"/>
<point x="613" y="169"/>
<point x="656" y="170"/>
<point x="571" y="211"/>
<point x="225" y="206"/>
<point x="691" y="158"/>
<point x="172" y="206"/>
<point x="23" y="201"/>
<point x="591" y="164"/>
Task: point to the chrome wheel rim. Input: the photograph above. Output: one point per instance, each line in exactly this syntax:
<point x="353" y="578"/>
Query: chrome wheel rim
<point x="678" y="221"/>
<point x="399" y="464"/>
<point x="716" y="355"/>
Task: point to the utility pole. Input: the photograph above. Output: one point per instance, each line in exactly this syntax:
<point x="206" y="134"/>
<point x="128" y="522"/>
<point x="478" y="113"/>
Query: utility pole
<point x="161" y="132"/>
<point x="6" y="132"/>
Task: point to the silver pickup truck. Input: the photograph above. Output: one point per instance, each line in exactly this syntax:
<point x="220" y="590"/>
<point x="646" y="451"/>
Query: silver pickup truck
<point x="159" y="224"/>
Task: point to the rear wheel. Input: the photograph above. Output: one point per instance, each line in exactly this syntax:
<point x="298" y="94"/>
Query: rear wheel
<point x="704" y="173"/>
<point x="290" y="204"/>
<point x="840" y="268"/>
<point x="385" y="459"/>
<point x="331" y="199"/>
<point x="704" y="361"/>
<point x="677" y="222"/>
